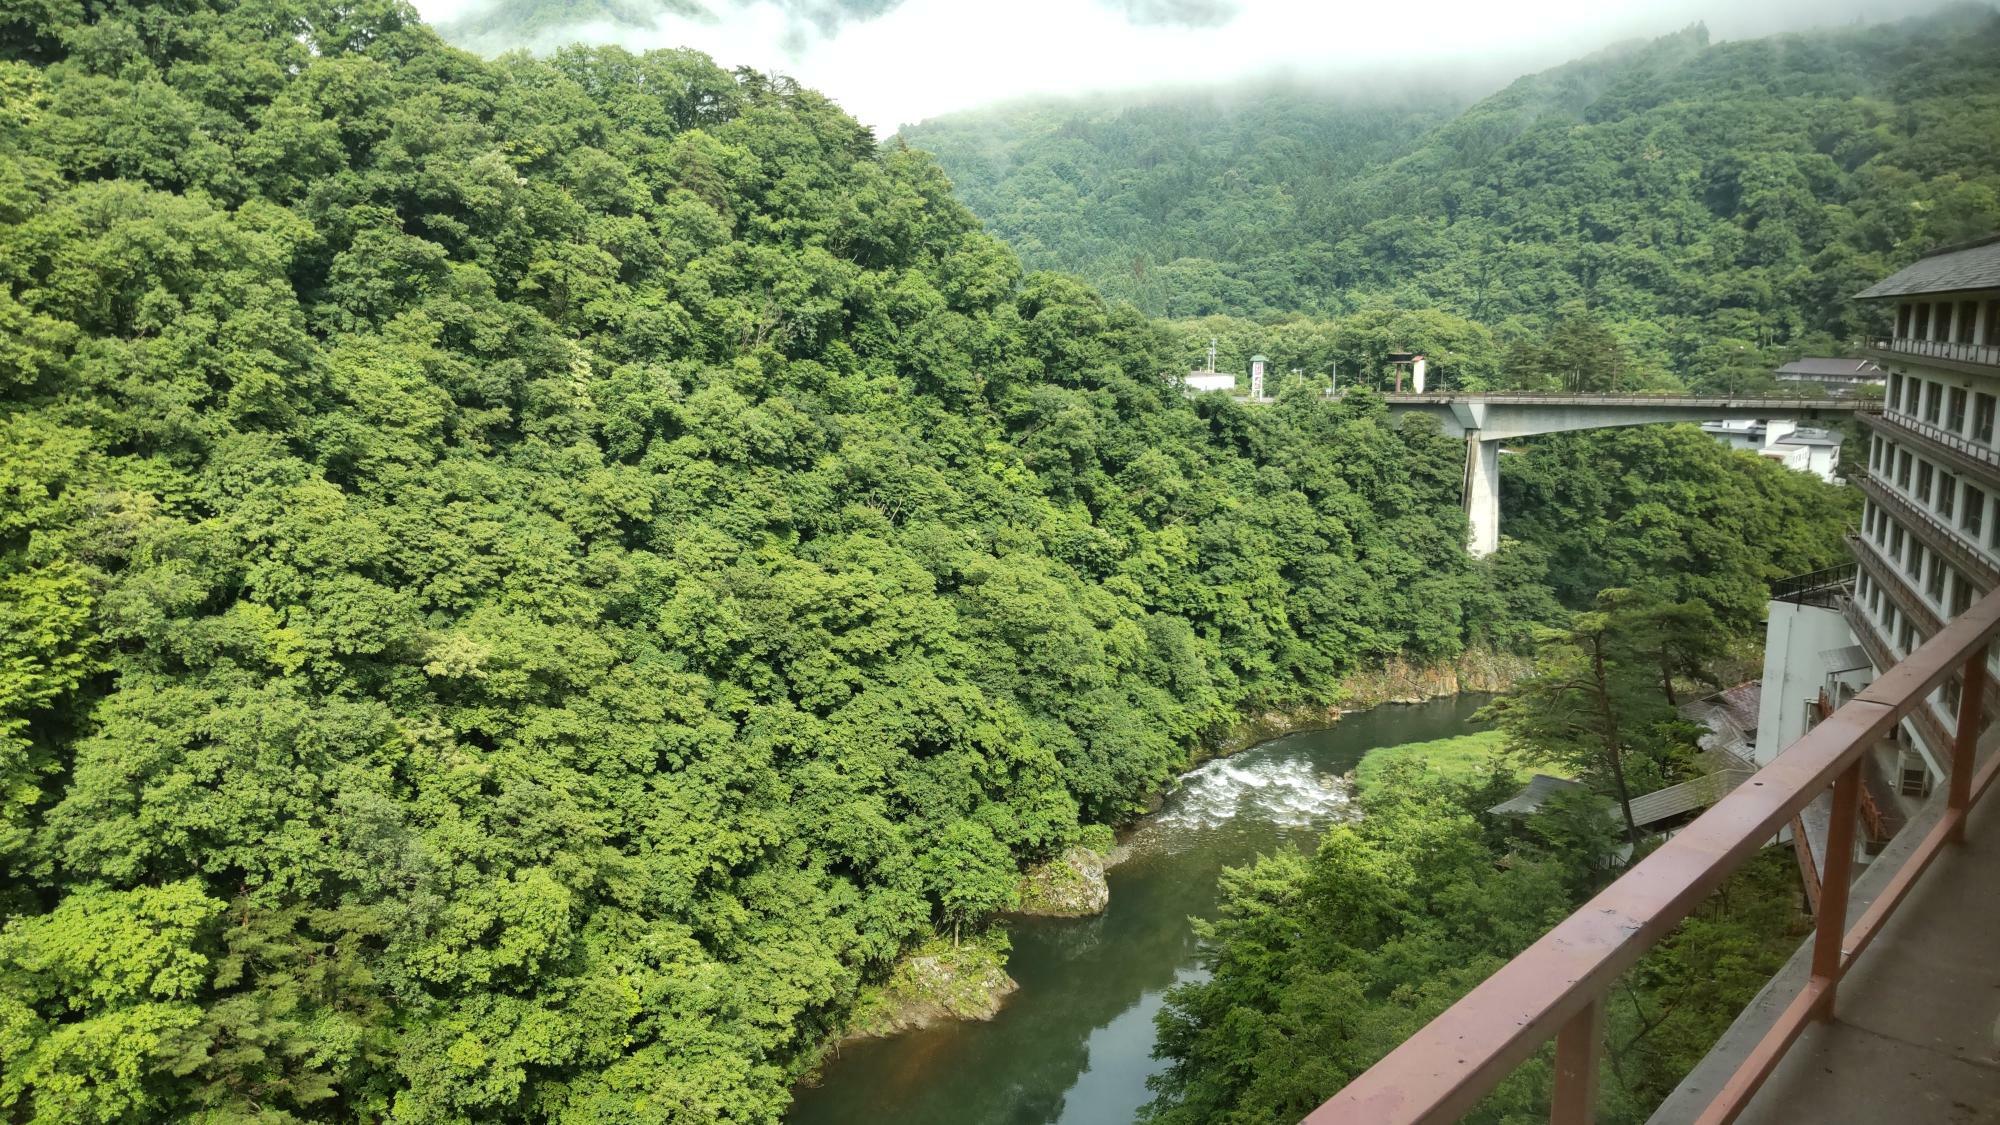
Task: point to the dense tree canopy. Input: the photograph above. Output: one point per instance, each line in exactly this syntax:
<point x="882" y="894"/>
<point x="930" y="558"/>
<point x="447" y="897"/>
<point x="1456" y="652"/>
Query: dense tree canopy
<point x="527" y="582"/>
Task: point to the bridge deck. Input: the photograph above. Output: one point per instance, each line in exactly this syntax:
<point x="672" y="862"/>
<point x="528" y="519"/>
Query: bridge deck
<point x="1729" y="402"/>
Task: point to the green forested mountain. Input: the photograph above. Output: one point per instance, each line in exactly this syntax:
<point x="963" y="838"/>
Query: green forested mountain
<point x="1704" y="199"/>
<point x="527" y="582"/>
<point x="1184" y="203"/>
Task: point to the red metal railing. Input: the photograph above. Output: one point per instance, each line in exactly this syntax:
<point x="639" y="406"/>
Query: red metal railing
<point x="1558" y="986"/>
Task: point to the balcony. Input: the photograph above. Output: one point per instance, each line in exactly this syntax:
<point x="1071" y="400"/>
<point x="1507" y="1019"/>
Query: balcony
<point x="1974" y="459"/>
<point x="1897" y="1037"/>
<point x="1975" y="359"/>
<point x="1828" y="589"/>
<point x="1935" y="533"/>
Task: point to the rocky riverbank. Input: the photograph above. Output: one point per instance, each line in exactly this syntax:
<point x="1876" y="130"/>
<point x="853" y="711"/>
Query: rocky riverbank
<point x="1394" y="681"/>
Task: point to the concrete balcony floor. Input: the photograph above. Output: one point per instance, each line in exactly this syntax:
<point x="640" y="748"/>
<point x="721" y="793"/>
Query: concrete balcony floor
<point x="1914" y="1038"/>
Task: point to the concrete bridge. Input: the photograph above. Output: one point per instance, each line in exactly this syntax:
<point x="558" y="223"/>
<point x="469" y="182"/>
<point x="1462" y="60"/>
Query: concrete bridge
<point x="1486" y="420"/>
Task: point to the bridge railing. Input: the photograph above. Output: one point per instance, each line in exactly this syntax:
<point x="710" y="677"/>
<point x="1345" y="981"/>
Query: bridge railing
<point x="1557" y="988"/>
<point x="1777" y="403"/>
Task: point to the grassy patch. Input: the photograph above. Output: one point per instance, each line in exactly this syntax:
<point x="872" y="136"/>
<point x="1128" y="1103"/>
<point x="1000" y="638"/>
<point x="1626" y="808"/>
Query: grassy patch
<point x="1464" y="757"/>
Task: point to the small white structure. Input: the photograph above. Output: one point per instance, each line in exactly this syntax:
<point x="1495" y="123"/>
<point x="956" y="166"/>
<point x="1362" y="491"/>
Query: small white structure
<point x="1808" y="650"/>
<point x="1199" y="382"/>
<point x="1417" y="369"/>
<point x="1786" y="442"/>
<point x="1257" y="376"/>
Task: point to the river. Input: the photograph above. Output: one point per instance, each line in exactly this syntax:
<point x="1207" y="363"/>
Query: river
<point x="1074" y="1045"/>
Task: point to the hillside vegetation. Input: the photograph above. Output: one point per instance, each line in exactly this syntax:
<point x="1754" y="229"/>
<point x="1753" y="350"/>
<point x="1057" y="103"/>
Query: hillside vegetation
<point x="528" y="582"/>
<point x="1711" y="205"/>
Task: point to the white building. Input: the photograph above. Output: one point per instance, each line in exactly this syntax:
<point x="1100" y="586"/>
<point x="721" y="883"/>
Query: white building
<point x="1929" y="543"/>
<point x="1199" y="382"/>
<point x="1788" y="443"/>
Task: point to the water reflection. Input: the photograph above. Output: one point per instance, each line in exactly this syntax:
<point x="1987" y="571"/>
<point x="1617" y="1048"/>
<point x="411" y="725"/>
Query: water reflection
<point x="1075" y="1044"/>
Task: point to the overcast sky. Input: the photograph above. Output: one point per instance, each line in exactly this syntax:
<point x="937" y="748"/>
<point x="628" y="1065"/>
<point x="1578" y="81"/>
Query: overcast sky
<point x="920" y="58"/>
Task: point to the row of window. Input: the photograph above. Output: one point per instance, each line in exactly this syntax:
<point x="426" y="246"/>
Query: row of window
<point x="1903" y="634"/>
<point x="1956" y="503"/>
<point x="1956" y="322"/>
<point x="1948" y="592"/>
<point x="1964" y="412"/>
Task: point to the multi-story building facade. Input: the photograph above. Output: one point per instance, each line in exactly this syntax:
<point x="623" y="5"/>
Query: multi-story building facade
<point x="1929" y="541"/>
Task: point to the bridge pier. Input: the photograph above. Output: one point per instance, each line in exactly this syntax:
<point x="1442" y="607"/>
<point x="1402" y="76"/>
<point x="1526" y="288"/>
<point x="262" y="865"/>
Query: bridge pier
<point x="1482" y="493"/>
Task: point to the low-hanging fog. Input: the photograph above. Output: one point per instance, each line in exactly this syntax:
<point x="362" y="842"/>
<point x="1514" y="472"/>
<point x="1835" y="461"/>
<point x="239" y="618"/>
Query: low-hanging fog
<point x="891" y="62"/>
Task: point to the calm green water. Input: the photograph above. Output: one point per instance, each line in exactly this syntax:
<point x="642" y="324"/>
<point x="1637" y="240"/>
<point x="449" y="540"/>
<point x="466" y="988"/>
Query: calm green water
<point x="1075" y="1044"/>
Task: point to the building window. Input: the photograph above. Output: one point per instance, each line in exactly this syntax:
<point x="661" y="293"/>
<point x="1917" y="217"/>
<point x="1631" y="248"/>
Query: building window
<point x="1963" y="326"/>
<point x="1868" y="518"/>
<point x="1896" y="543"/>
<point x="1903" y="320"/>
<point x="1974" y="512"/>
<point x="1903" y="469"/>
<point x="1934" y="585"/>
<point x="1923" y="331"/>
<point x="1875" y="602"/>
<point x="1952" y="691"/>
<point x="1911" y="391"/>
<point x="1875" y="454"/>
<point x="1895" y="395"/>
<point x="1954" y="411"/>
<point x="1933" y="396"/>
<point x="1961" y="596"/>
<point x="1924" y="482"/>
<point x="1947" y="494"/>
<point x="1909" y="639"/>
<point x="1982" y="418"/>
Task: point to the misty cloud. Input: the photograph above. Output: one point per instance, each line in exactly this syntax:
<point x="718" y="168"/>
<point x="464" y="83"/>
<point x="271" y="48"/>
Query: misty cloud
<point x="895" y="61"/>
<point x="1177" y="13"/>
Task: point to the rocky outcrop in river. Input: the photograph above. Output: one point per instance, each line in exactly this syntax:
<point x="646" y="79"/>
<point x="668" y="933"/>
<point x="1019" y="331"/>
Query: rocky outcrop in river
<point x="1072" y="885"/>
<point x="938" y="982"/>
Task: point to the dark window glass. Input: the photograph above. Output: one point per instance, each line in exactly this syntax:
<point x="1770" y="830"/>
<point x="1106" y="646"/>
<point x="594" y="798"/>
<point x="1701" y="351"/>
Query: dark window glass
<point x="1954" y="411"/>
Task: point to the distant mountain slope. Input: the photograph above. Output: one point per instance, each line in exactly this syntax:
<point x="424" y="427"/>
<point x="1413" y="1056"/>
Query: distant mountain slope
<point x="1175" y="194"/>
<point x="1697" y="195"/>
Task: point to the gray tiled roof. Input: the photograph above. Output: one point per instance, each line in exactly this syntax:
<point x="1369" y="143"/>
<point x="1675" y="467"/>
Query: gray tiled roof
<point x="1836" y="368"/>
<point x="1975" y="265"/>
<point x="1531" y="797"/>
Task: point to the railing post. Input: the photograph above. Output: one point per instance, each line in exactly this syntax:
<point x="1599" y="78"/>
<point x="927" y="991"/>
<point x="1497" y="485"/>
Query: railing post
<point x="1831" y="925"/>
<point x="1577" y="1047"/>
<point x="1964" y="740"/>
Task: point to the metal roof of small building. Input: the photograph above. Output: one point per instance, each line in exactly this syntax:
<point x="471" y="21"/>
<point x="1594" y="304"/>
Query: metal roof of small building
<point x="1972" y="265"/>
<point x="1532" y="796"/>
<point x="1833" y="368"/>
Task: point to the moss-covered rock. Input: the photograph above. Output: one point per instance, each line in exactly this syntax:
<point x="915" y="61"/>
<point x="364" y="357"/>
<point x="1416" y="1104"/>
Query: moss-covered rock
<point x="1072" y="885"/>
<point x="937" y="982"/>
